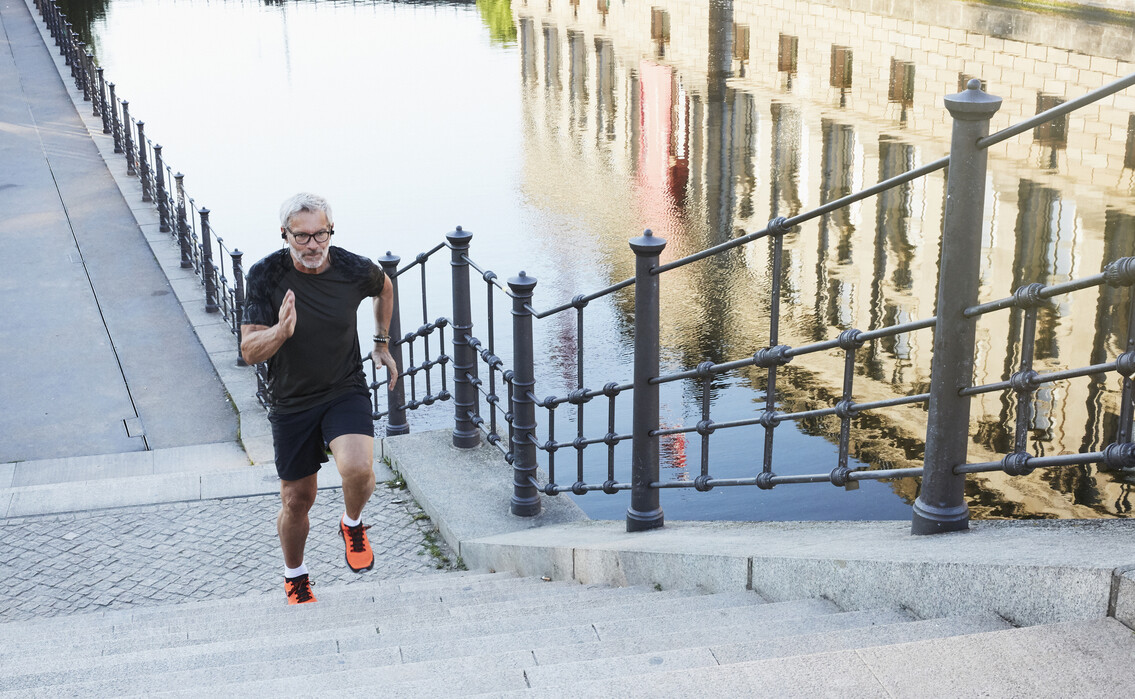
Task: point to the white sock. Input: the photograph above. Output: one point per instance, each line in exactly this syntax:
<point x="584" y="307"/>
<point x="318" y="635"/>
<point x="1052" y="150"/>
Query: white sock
<point x="351" y="522"/>
<point x="295" y="572"/>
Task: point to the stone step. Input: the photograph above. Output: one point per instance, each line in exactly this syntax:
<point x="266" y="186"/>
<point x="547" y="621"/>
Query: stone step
<point x="432" y="586"/>
<point x="332" y="600"/>
<point x="395" y="615"/>
<point x="582" y="642"/>
<point x="44" y="670"/>
<point x="307" y="670"/>
<point x="392" y="632"/>
<point x="499" y="672"/>
<point x="1081" y="659"/>
<point x="312" y="658"/>
<point x="674" y="657"/>
<point x="723" y="634"/>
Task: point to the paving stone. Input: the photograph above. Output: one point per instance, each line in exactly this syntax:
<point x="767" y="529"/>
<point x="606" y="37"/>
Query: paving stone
<point x="214" y="548"/>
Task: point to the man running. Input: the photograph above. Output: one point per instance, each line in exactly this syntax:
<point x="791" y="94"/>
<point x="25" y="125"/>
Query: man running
<point x="301" y="317"/>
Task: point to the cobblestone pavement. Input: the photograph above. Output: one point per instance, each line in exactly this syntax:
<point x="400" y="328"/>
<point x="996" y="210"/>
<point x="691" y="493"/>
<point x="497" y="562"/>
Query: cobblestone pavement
<point x="162" y="554"/>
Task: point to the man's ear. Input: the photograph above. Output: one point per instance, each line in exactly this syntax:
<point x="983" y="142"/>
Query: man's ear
<point x="283" y="234"/>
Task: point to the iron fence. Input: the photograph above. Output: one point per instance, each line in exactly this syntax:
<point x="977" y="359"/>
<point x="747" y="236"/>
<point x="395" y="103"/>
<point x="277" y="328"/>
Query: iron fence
<point x="940" y="506"/>
<point x="510" y="393"/>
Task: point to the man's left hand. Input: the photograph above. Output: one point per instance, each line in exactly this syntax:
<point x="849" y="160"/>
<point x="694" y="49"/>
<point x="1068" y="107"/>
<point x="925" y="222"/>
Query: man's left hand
<point x="382" y="357"/>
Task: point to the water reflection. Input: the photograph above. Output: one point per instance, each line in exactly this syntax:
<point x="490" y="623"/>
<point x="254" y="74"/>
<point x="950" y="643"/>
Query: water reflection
<point x="563" y="128"/>
<point x="709" y="127"/>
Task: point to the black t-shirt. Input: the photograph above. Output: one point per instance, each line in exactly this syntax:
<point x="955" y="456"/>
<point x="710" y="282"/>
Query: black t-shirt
<point x="322" y="359"/>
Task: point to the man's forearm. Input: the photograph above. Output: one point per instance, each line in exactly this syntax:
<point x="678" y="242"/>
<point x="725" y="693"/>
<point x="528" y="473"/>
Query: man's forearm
<point x="383" y="309"/>
<point x="258" y="343"/>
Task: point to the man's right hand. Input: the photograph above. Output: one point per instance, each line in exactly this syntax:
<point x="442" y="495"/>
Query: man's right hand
<point x="287" y="325"/>
<point x="259" y="342"/>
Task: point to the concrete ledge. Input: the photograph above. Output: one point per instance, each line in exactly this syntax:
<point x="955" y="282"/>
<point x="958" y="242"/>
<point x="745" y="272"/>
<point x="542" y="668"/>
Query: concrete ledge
<point x="1123" y="597"/>
<point x="158" y="487"/>
<point x="205" y="457"/>
<point x="992" y="568"/>
<point x="466" y="492"/>
<point x="1029" y="572"/>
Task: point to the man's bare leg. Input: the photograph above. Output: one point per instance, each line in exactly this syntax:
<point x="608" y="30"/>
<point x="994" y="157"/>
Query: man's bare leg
<point x="296" y="498"/>
<point x="354" y="456"/>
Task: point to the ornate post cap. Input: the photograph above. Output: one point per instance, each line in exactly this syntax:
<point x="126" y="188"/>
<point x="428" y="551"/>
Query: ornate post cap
<point x="647" y="243"/>
<point x="522" y="282"/>
<point x="459" y="237"/>
<point x="972" y="104"/>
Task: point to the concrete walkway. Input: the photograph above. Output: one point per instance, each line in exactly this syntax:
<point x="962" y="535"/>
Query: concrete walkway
<point x="100" y="358"/>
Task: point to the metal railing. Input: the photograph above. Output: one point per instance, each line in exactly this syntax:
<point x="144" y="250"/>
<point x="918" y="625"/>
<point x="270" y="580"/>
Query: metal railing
<point x="940" y="506"/>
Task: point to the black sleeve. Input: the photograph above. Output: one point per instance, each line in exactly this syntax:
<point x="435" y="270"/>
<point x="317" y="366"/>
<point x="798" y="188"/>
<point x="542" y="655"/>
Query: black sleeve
<point x="258" y="306"/>
<point x="362" y="270"/>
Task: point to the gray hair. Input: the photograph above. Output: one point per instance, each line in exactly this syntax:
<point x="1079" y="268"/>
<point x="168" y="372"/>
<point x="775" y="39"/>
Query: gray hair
<point x="304" y="201"/>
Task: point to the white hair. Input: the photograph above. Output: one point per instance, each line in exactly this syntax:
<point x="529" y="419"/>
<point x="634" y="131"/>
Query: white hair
<point x="304" y="201"/>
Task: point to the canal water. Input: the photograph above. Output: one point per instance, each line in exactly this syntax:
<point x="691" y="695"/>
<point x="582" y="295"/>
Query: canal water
<point x="556" y="130"/>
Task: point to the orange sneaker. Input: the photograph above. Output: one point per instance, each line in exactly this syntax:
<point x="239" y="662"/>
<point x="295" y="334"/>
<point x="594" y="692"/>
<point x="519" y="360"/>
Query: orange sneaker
<point x="298" y="590"/>
<point x="359" y="556"/>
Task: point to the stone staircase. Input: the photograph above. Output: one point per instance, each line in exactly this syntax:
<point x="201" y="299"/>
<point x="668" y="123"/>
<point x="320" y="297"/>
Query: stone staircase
<point x="490" y="633"/>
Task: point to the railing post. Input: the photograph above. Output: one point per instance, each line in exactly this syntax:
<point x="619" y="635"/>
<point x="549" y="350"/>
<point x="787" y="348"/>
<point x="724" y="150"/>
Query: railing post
<point x="396" y="419"/>
<point x="92" y="82"/>
<point x="207" y="264"/>
<point x="127" y="138"/>
<point x="525" y="495"/>
<point x="466" y="402"/>
<point x="114" y="126"/>
<point x="941" y="505"/>
<point x="645" y="511"/>
<point x="81" y="67"/>
<point x="160" y="185"/>
<point x="103" y="112"/>
<point x="183" y="223"/>
<point x="238" y="302"/>
<point x="143" y="165"/>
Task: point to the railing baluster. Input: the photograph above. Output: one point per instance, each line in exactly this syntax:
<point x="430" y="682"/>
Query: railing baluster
<point x="489" y="276"/>
<point x="551" y="440"/>
<point x="849" y="342"/>
<point x="1028" y="299"/>
<point x="941" y="504"/>
<point x="769" y="422"/>
<point x="426" y="340"/>
<point x="645" y="511"/>
<point x="1127" y="395"/>
<point x="525" y="496"/>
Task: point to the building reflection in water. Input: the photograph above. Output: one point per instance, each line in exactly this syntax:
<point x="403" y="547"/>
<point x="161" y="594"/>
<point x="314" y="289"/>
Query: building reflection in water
<point x="708" y="126"/>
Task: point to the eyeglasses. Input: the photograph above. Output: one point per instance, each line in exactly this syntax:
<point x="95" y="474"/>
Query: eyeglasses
<point x="320" y="236"/>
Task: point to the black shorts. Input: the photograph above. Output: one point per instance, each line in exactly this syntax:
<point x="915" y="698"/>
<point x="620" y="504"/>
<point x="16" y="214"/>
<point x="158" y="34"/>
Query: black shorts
<point x="301" y="438"/>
